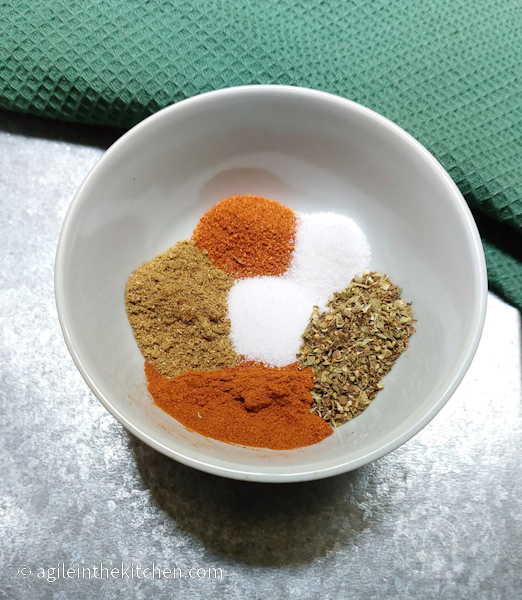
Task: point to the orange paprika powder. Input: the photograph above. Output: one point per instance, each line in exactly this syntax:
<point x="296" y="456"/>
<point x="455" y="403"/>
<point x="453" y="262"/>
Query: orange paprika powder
<point x="250" y="404"/>
<point x="248" y="236"/>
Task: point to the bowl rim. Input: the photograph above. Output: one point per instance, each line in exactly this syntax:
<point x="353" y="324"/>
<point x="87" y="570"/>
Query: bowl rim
<point x="456" y="375"/>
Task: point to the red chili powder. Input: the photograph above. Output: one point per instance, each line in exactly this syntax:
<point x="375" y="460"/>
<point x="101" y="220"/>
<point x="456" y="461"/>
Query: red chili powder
<point x="248" y="236"/>
<point x="251" y="404"/>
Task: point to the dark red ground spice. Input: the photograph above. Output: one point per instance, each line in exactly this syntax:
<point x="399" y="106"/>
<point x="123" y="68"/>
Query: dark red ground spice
<point x="248" y="236"/>
<point x="251" y="404"/>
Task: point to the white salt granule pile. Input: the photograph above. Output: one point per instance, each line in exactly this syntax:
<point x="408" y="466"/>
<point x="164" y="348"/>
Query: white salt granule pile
<point x="268" y="315"/>
<point x="329" y="250"/>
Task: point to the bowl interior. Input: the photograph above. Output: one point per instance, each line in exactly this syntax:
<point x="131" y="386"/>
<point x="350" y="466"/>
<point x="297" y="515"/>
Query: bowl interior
<point x="312" y="152"/>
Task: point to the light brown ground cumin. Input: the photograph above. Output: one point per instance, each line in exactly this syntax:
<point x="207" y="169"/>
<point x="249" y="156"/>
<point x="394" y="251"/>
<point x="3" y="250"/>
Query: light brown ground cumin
<point x="177" y="307"/>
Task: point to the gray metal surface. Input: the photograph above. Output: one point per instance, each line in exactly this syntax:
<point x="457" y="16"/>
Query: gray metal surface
<point x="83" y="504"/>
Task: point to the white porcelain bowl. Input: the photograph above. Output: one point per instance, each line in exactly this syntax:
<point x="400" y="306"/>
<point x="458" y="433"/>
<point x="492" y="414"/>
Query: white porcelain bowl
<point x="310" y="151"/>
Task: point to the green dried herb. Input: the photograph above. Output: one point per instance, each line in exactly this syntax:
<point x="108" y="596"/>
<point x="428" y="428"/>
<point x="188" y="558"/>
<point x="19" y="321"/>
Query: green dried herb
<point x="353" y="345"/>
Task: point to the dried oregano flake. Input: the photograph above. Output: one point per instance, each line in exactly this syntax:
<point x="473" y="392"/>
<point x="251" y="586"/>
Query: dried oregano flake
<point x="352" y="345"/>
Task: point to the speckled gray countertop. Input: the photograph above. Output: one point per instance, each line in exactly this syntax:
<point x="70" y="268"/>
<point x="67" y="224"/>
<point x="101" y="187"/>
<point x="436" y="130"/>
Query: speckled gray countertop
<point x="86" y="508"/>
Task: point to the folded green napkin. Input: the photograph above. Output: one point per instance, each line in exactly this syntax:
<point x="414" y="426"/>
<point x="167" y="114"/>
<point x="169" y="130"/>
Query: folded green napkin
<point x="447" y="71"/>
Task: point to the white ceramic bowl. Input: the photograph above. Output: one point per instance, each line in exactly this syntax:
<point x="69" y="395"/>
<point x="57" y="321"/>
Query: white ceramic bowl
<point x="310" y="151"/>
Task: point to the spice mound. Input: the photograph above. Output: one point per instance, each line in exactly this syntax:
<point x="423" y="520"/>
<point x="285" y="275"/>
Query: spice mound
<point x="220" y="320"/>
<point x="352" y="345"/>
<point x="177" y="307"/>
<point x="249" y="404"/>
<point x="248" y="236"/>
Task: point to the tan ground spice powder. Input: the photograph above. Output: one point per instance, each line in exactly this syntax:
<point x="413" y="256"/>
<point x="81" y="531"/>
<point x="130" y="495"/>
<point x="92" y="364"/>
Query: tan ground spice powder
<point x="177" y="307"/>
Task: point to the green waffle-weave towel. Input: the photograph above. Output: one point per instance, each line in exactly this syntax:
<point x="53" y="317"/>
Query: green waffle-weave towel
<point x="447" y="71"/>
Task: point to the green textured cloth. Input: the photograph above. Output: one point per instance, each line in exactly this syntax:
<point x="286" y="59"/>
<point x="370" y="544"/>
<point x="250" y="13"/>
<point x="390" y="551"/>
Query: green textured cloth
<point x="449" y="72"/>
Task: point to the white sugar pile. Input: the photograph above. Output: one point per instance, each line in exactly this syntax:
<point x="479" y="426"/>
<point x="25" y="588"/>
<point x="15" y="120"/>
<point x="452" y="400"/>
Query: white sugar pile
<point x="329" y="250"/>
<point x="268" y="315"/>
